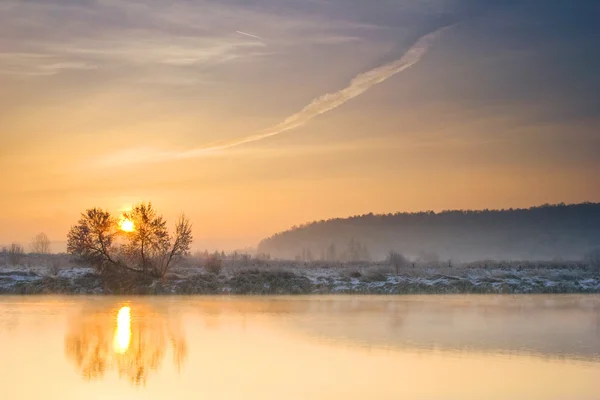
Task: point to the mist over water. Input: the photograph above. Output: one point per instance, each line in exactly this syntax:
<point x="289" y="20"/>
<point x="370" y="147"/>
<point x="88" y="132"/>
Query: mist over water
<point x="494" y="347"/>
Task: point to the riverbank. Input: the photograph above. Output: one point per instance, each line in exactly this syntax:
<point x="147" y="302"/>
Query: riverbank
<point x="265" y="280"/>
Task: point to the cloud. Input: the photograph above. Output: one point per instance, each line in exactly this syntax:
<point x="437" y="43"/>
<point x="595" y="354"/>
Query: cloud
<point x="139" y="37"/>
<point x="248" y="34"/>
<point x="32" y="64"/>
<point x="360" y="84"/>
<point x="157" y="49"/>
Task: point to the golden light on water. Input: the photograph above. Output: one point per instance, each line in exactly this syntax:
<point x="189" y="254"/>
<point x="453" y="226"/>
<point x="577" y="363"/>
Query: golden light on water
<point x="123" y="332"/>
<point x="126" y="225"/>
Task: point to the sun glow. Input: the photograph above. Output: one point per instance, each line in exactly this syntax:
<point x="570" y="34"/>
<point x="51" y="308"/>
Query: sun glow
<point x="123" y="331"/>
<point x="126" y="225"/>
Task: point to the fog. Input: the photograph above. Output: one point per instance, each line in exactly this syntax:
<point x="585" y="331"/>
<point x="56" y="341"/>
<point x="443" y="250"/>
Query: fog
<point x="549" y="232"/>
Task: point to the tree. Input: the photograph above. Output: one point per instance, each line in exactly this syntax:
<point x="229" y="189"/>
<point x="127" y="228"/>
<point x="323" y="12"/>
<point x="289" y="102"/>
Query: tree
<point x="149" y="240"/>
<point x="331" y="253"/>
<point x="92" y="239"/>
<point x="593" y="258"/>
<point x="364" y="253"/>
<point x="40" y="244"/>
<point x="145" y="247"/>
<point x="353" y="250"/>
<point x="357" y="251"/>
<point x="306" y="255"/>
<point x="397" y="260"/>
<point x="15" y="253"/>
<point x="214" y="264"/>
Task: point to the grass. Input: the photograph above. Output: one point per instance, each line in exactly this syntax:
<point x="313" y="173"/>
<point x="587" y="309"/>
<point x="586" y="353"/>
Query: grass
<point x="56" y="274"/>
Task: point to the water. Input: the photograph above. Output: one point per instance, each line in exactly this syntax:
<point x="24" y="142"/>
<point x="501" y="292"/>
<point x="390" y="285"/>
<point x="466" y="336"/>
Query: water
<point x="337" y="347"/>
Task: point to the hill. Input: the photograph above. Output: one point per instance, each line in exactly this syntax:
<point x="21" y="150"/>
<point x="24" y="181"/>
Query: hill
<point x="547" y="232"/>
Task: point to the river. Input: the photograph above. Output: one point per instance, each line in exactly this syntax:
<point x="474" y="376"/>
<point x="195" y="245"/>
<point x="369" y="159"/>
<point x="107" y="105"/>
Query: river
<point x="305" y="347"/>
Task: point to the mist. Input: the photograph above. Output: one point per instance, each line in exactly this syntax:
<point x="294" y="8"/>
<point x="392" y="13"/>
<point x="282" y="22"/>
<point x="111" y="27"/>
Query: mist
<point x="549" y="232"/>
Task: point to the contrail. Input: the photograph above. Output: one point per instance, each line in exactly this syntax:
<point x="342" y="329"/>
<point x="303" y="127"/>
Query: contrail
<point x="248" y="34"/>
<point x="357" y="86"/>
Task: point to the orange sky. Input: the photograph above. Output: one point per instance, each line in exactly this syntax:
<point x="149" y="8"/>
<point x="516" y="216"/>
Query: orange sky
<point x="115" y="113"/>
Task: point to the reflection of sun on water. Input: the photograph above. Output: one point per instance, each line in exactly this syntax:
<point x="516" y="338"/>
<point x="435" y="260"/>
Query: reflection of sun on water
<point x="123" y="332"/>
<point x="111" y="337"/>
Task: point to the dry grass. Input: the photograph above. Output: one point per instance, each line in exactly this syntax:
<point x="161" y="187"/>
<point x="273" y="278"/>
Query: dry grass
<point x="40" y="263"/>
<point x="289" y="277"/>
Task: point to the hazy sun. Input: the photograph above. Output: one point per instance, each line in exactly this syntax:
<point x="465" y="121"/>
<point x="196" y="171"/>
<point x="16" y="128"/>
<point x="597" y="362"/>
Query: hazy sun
<point x="126" y="225"/>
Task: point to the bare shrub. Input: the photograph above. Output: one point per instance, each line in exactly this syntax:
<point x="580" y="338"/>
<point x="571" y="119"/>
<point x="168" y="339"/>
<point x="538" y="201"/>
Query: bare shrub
<point x="213" y="265"/>
<point x="398" y="261"/>
<point x="245" y="259"/>
<point x="15" y="253"/>
<point x="593" y="258"/>
<point x="40" y="244"/>
<point x="54" y="267"/>
<point x="351" y="272"/>
<point x="378" y="273"/>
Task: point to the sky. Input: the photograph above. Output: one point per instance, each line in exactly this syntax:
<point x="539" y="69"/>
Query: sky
<point x="253" y="116"/>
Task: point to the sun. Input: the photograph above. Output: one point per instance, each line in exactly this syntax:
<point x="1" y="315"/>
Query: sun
<point x="126" y="225"/>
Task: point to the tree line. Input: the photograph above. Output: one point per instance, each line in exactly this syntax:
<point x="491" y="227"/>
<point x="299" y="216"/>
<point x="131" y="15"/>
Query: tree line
<point x="546" y="232"/>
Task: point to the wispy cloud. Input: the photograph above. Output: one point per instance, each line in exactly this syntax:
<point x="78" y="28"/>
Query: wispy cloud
<point x="32" y="64"/>
<point x="248" y="34"/>
<point x="103" y="35"/>
<point x="360" y="84"/>
<point x="154" y="49"/>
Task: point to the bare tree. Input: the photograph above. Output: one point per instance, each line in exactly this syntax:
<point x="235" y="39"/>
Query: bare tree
<point x="180" y="244"/>
<point x="15" y="253"/>
<point x="92" y="239"/>
<point x="331" y="253"/>
<point x="593" y="258"/>
<point x="147" y="248"/>
<point x="40" y="244"/>
<point x="397" y="260"/>
<point x="214" y="264"/>
<point x="149" y="240"/>
<point x="245" y="257"/>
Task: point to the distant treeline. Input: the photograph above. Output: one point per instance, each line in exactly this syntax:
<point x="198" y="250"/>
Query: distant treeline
<point x="548" y="232"/>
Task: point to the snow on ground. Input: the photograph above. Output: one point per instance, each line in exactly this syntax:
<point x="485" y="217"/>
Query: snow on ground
<point x="76" y="272"/>
<point x="300" y="278"/>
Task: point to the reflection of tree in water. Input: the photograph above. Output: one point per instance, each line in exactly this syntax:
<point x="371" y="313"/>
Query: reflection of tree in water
<point x="131" y="341"/>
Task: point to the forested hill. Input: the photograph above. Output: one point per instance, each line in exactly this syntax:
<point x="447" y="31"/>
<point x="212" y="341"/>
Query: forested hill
<point x="547" y="232"/>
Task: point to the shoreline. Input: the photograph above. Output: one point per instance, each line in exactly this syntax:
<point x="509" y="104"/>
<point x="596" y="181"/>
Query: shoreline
<point x="297" y="281"/>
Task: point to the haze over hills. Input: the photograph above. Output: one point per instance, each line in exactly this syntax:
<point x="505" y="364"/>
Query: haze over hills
<point x="546" y="232"/>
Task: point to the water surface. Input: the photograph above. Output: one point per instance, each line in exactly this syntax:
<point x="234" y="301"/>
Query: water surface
<point x="416" y="347"/>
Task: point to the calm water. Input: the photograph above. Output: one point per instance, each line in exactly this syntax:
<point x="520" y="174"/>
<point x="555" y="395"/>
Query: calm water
<point x="417" y="347"/>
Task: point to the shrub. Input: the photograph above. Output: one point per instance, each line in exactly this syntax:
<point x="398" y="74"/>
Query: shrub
<point x="355" y="274"/>
<point x="15" y="253"/>
<point x="593" y="258"/>
<point x="213" y="265"/>
<point x="398" y="261"/>
<point x="54" y="267"/>
<point x="377" y="273"/>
